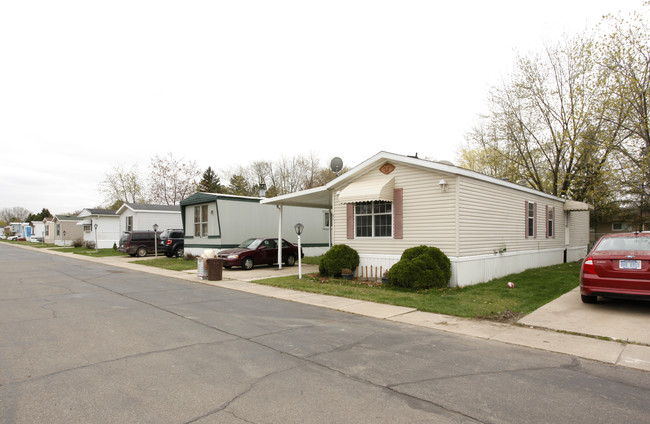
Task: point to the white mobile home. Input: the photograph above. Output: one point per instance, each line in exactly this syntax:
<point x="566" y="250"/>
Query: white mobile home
<point x="140" y="217"/>
<point x="221" y="221"/>
<point x="487" y="227"/>
<point x="101" y="227"/>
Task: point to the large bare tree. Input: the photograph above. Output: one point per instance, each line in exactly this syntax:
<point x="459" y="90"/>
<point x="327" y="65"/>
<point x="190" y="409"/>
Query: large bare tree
<point x="550" y="124"/>
<point x="123" y="185"/>
<point x="171" y="179"/>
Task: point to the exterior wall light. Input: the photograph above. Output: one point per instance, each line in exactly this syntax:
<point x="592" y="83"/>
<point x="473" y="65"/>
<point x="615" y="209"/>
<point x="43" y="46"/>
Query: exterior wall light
<point x="443" y="185"/>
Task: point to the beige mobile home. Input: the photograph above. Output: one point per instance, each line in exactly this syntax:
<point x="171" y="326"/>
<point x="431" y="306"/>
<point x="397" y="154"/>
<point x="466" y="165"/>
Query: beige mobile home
<point x="487" y="227"/>
<point x="66" y="230"/>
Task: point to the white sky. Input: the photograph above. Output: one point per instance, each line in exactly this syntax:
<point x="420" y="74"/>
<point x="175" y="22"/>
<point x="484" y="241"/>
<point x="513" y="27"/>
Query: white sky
<point x="86" y="85"/>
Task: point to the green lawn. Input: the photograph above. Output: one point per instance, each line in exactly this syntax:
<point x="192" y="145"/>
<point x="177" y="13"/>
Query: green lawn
<point x="493" y="300"/>
<point x="174" y="264"/>
<point x="89" y="252"/>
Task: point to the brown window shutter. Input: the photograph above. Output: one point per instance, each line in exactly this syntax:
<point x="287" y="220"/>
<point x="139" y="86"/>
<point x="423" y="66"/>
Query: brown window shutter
<point x="398" y="212"/>
<point x="350" y="220"/>
<point x="526" y="218"/>
<point x="535" y="220"/>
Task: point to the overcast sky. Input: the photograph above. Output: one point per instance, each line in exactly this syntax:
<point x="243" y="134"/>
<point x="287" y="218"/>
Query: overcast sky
<point x="87" y="85"/>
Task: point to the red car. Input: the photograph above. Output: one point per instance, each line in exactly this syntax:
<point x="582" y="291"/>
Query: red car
<point x="617" y="266"/>
<point x="259" y="251"/>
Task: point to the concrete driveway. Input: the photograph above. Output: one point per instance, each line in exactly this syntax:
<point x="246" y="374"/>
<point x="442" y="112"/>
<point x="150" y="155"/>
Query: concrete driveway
<point x="625" y="320"/>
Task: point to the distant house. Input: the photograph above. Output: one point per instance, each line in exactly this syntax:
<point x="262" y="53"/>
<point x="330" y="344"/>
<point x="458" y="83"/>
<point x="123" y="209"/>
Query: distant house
<point x="38" y="230"/>
<point x="486" y="226"/>
<point x="626" y="220"/>
<point x="107" y="230"/>
<point x="220" y="221"/>
<point x="137" y="216"/>
<point x="49" y="230"/>
<point x="66" y="230"/>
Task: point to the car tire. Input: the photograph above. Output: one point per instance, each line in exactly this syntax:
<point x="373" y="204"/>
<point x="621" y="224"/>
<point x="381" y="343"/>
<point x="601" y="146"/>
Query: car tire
<point x="247" y="263"/>
<point x="141" y="252"/>
<point x="180" y="252"/>
<point x="588" y="299"/>
<point x="291" y="260"/>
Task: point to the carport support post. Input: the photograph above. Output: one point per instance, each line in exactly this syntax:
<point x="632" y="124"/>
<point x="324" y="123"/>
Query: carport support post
<point x="280" y="238"/>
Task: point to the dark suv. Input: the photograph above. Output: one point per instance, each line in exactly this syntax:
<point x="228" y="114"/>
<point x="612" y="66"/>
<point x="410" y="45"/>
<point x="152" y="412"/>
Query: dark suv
<point x="138" y="243"/>
<point x="172" y="243"/>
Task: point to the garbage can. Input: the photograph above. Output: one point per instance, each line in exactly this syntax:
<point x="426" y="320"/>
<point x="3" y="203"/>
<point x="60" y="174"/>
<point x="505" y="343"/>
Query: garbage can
<point x="215" y="269"/>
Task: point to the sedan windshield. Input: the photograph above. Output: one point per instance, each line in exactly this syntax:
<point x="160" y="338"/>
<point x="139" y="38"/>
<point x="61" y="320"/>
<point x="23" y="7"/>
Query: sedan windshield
<point x="625" y="243"/>
<point x="252" y="243"/>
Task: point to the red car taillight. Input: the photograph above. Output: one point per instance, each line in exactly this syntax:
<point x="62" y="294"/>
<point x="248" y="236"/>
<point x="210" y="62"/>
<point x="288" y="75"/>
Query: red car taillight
<point x="588" y="266"/>
<point x="169" y="242"/>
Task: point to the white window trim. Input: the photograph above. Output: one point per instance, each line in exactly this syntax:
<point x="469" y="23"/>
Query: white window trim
<point x="372" y="214"/>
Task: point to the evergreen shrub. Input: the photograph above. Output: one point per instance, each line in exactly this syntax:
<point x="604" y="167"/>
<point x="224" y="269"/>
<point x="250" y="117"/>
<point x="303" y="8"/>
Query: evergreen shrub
<point x="419" y="268"/>
<point x="338" y="257"/>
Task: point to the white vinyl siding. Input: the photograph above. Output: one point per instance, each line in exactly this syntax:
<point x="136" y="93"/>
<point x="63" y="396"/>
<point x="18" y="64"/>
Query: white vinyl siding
<point x="493" y="217"/>
<point x="429" y="215"/>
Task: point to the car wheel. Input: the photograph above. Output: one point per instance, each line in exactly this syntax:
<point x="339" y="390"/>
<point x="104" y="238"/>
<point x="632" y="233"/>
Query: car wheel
<point x="247" y="263"/>
<point x="141" y="252"/>
<point x="179" y="253"/>
<point x="291" y="260"/>
<point x="588" y="299"/>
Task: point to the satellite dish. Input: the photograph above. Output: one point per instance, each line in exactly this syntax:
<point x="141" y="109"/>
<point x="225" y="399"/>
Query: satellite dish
<point x="336" y="165"/>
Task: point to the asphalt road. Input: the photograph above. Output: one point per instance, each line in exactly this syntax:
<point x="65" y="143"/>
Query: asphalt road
<point x="82" y="342"/>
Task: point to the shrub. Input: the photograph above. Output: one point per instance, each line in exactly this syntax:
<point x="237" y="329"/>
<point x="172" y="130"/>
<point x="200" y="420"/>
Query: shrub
<point x="115" y="247"/>
<point x="421" y="267"/>
<point x="77" y="243"/>
<point x="89" y="244"/>
<point x="338" y="257"/>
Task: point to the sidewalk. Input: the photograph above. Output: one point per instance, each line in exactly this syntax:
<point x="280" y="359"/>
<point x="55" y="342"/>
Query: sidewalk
<point x="538" y="330"/>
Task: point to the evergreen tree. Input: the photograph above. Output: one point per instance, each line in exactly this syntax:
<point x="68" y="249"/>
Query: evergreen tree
<point x="210" y="182"/>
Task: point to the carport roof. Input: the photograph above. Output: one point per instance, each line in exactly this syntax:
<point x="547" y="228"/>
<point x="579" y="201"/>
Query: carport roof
<point x="318" y="197"/>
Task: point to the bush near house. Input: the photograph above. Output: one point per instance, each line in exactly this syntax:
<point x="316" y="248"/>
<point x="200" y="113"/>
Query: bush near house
<point x="419" y="268"/>
<point x="339" y="256"/>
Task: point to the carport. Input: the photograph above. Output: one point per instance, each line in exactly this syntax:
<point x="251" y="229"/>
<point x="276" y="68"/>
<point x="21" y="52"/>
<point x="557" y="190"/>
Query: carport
<point x="318" y="197"/>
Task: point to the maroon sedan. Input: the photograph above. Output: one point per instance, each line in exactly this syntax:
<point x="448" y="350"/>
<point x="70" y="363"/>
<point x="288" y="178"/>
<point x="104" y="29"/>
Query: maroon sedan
<point x="259" y="251"/>
<point x="617" y="266"/>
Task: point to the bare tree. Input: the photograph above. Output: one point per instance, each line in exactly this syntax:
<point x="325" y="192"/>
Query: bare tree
<point x="549" y="125"/>
<point x="16" y="213"/>
<point x="123" y="185"/>
<point x="171" y="179"/>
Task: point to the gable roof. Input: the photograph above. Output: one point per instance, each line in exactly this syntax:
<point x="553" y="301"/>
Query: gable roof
<point x="66" y="218"/>
<point x="98" y="212"/>
<point x="320" y="196"/>
<point x="141" y="207"/>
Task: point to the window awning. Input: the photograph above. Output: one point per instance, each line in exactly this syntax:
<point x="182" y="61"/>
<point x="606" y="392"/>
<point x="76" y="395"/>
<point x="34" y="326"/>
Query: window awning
<point x="369" y="190"/>
<point x="85" y="222"/>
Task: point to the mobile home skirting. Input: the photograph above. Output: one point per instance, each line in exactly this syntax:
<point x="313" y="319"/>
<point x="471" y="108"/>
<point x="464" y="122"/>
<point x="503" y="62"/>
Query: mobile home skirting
<point x="470" y="270"/>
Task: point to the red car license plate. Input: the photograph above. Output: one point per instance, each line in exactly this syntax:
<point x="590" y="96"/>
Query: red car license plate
<point x="628" y="264"/>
